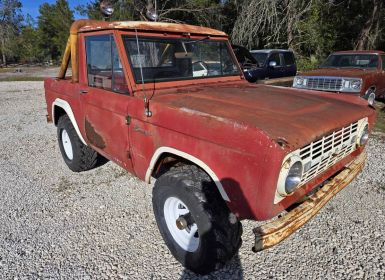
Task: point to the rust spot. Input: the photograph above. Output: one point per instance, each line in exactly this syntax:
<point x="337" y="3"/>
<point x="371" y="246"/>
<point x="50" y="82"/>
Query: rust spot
<point x="94" y="137"/>
<point x="88" y="25"/>
<point x="282" y="142"/>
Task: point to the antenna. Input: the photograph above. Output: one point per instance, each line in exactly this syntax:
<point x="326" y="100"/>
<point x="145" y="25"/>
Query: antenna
<point x="147" y="111"/>
<point x="156" y="10"/>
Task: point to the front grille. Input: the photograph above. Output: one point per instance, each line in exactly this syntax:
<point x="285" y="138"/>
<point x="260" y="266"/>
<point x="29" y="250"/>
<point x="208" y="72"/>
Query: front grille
<point x="324" y="83"/>
<point x="318" y="156"/>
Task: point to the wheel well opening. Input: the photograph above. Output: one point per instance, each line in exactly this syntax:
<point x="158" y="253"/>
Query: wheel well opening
<point x="168" y="161"/>
<point x="58" y="112"/>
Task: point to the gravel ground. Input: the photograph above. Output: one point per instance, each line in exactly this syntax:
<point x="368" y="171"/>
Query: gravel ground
<point x="99" y="224"/>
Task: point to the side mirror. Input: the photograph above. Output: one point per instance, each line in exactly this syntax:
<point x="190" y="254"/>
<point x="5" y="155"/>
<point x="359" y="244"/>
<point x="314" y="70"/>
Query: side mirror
<point x="272" y="63"/>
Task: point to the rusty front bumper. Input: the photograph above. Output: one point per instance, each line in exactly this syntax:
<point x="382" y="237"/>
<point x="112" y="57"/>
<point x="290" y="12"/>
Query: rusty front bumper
<point x="274" y="232"/>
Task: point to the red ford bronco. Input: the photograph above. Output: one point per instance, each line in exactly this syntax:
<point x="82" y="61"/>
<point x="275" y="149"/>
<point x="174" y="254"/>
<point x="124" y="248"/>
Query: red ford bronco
<point x="169" y="101"/>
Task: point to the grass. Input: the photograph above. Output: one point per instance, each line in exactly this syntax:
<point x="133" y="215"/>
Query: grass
<point x="4" y="70"/>
<point x="380" y="122"/>
<point x="21" y="78"/>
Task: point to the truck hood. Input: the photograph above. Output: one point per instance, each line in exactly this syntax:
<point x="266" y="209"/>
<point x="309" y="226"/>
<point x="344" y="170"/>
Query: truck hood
<point x="296" y="117"/>
<point x="334" y="72"/>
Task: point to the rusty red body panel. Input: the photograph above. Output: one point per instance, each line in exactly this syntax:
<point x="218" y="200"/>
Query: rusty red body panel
<point x="147" y="26"/>
<point x="241" y="131"/>
<point x="372" y="78"/>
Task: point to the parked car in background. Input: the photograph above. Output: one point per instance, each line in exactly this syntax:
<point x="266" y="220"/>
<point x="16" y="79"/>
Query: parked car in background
<point x="265" y="64"/>
<point x="275" y="63"/>
<point x="247" y="62"/>
<point x="353" y="72"/>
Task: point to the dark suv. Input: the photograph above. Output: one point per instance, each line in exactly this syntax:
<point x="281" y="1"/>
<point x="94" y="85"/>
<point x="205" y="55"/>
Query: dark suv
<point x="274" y="63"/>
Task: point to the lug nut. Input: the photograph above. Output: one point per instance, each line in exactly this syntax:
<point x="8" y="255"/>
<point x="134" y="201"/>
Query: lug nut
<point x="184" y="221"/>
<point x="181" y="223"/>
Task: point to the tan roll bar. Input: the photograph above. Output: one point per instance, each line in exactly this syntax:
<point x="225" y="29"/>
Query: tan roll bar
<point x="71" y="50"/>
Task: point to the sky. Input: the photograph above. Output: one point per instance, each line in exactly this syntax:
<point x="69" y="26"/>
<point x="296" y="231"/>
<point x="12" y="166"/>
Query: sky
<point x="32" y="6"/>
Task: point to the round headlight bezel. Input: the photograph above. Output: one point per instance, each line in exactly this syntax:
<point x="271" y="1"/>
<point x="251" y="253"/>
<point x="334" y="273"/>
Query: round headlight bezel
<point x="364" y="136"/>
<point x="291" y="170"/>
<point x="299" y="81"/>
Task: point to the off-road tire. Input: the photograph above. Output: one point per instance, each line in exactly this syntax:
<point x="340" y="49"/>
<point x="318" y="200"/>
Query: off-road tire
<point x="219" y="230"/>
<point x="84" y="157"/>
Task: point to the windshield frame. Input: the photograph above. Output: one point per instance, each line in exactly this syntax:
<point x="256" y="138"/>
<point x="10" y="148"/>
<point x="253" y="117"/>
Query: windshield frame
<point x="182" y="81"/>
<point x="323" y="66"/>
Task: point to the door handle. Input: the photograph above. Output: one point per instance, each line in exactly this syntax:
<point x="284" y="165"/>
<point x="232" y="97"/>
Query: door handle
<point x="83" y="91"/>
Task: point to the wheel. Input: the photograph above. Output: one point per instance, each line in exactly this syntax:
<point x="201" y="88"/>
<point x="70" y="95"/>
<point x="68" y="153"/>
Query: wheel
<point x="76" y="155"/>
<point x="370" y="95"/>
<point x="194" y="221"/>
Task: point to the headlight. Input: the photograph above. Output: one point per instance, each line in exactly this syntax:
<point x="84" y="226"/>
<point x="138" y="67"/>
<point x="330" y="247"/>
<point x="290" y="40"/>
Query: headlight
<point x="299" y="81"/>
<point x="290" y="176"/>
<point x="293" y="177"/>
<point x="355" y="84"/>
<point x="364" y="136"/>
<point x="351" y="85"/>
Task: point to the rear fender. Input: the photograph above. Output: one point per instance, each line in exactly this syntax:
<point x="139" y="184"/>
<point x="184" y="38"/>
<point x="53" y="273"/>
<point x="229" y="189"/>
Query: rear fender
<point x="67" y="108"/>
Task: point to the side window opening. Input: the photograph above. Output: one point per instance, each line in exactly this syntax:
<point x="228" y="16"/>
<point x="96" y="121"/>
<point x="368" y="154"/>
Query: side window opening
<point x="289" y="58"/>
<point x="383" y="61"/>
<point x="119" y="83"/>
<point x="104" y="67"/>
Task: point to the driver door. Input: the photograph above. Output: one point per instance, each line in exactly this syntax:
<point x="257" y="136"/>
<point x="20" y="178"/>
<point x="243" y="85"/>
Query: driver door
<point x="105" y="100"/>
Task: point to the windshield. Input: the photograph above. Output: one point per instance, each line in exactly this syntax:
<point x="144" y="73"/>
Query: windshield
<point x="260" y="57"/>
<point x="351" y="61"/>
<point x="179" y="59"/>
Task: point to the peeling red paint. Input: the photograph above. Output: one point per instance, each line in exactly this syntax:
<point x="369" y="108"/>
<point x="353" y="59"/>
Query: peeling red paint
<point x="93" y="136"/>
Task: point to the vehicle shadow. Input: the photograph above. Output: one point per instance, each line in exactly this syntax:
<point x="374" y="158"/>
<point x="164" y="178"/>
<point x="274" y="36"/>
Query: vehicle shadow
<point x="100" y="161"/>
<point x="232" y="270"/>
